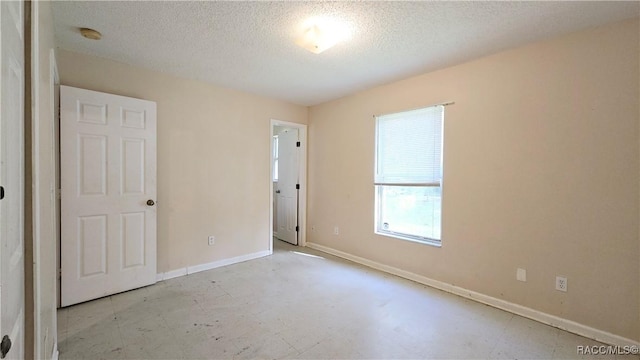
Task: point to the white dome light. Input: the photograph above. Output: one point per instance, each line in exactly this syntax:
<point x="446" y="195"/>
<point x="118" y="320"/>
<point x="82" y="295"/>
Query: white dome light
<point x="319" y="34"/>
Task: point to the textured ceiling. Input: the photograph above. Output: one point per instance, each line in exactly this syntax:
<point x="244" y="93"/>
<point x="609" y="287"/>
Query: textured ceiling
<point x="250" y="46"/>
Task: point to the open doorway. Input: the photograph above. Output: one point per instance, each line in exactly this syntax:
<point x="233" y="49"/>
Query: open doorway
<point x="288" y="182"/>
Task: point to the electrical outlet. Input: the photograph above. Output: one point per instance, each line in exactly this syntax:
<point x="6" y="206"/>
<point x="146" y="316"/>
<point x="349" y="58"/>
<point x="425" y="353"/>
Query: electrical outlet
<point x="212" y="240"/>
<point x="521" y="275"/>
<point x="561" y="283"/>
<point x="336" y="230"/>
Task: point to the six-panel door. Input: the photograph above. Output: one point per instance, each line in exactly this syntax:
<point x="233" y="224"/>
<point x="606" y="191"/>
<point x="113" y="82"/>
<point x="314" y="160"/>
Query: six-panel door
<point x="108" y="176"/>
<point x="287" y="201"/>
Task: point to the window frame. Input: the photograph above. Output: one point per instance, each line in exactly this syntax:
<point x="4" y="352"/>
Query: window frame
<point x="276" y="170"/>
<point x="379" y="188"/>
<point x="397" y="234"/>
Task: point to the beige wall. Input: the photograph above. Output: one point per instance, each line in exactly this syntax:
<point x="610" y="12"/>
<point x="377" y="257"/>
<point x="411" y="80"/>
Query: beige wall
<point x="44" y="248"/>
<point x="213" y="158"/>
<point x="541" y="172"/>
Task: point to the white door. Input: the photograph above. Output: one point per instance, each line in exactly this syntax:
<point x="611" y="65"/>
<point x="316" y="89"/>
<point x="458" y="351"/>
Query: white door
<point x="12" y="178"/>
<point x="108" y="187"/>
<point x="287" y="194"/>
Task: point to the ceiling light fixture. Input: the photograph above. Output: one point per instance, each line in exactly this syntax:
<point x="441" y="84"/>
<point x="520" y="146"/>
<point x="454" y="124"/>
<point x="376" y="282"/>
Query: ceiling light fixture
<point x="90" y="34"/>
<point x="320" y="34"/>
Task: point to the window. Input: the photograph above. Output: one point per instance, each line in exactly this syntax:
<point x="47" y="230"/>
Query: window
<point x="408" y="174"/>
<point x="275" y="158"/>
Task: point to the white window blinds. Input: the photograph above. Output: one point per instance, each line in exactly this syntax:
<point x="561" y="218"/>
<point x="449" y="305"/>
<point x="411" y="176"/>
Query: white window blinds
<point x="409" y="147"/>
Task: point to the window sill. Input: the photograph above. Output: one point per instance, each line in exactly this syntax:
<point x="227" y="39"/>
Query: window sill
<point x="433" y="243"/>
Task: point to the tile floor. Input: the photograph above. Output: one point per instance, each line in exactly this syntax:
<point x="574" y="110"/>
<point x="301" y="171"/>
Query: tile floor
<point x="301" y="304"/>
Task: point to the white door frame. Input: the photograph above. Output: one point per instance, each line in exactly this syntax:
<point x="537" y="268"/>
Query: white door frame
<point x="35" y="175"/>
<point x="54" y="84"/>
<point x="302" y="175"/>
<point x="38" y="201"/>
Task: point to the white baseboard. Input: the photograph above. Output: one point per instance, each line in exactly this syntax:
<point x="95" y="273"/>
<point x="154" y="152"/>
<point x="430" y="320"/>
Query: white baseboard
<point x="552" y="320"/>
<point x="208" y="266"/>
<point x="171" y="274"/>
<point x="225" y="262"/>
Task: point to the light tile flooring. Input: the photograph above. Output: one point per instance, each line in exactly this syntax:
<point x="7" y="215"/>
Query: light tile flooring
<point x="300" y="304"/>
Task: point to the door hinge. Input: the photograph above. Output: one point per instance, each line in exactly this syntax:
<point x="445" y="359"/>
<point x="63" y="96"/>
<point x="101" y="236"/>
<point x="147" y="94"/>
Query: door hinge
<point x="59" y="274"/>
<point x="58" y="194"/>
<point x="298" y="144"/>
<point x="297" y="228"/>
<point x="297" y="186"/>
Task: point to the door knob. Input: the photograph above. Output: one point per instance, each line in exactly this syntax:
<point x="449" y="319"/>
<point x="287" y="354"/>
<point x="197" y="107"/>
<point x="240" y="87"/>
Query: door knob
<point x="150" y="202"/>
<point x="5" y="346"/>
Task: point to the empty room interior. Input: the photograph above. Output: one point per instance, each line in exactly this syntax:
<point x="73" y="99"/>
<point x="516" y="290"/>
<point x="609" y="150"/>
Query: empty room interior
<point x="320" y="180"/>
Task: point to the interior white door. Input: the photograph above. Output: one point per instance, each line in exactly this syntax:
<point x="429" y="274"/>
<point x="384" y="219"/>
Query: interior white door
<point x="287" y="194"/>
<point x="12" y="178"/>
<point x="108" y="190"/>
